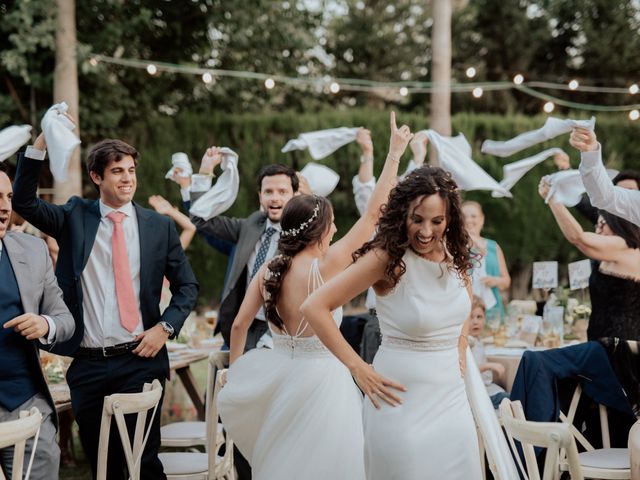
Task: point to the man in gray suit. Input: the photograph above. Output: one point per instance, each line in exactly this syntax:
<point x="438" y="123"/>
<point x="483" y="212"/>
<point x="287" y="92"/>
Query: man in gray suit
<point x="32" y="314"/>
<point x="256" y="239"/>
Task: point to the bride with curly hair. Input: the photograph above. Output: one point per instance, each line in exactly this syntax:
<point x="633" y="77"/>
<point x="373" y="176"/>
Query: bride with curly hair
<point x="294" y="411"/>
<point x="418" y="265"/>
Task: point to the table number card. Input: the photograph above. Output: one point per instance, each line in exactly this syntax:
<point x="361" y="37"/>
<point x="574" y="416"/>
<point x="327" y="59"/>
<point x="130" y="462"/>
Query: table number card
<point x="545" y="275"/>
<point x="579" y="273"/>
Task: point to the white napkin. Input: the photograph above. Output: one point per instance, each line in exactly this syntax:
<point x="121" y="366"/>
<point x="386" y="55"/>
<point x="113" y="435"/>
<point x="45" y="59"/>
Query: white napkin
<point x="61" y="141"/>
<point x="322" y="143"/>
<point x="512" y="172"/>
<point x="478" y="272"/>
<point x="454" y="155"/>
<point x="222" y="195"/>
<point x="551" y="129"/>
<point x="180" y="160"/>
<point x="12" y="138"/>
<point x="322" y="180"/>
<point x="567" y="187"/>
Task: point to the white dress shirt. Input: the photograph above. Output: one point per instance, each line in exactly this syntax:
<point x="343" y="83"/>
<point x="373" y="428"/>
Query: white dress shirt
<point x="604" y="195"/>
<point x="273" y="248"/>
<point x="102" y="326"/>
<point x="52" y="326"/>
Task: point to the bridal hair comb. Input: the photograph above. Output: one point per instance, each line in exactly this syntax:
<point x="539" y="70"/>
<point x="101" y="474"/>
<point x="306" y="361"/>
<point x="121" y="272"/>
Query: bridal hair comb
<point x="295" y="231"/>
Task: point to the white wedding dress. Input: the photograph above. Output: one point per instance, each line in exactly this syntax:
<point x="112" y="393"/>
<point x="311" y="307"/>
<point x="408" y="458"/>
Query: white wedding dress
<point x="432" y="434"/>
<point x="294" y="412"/>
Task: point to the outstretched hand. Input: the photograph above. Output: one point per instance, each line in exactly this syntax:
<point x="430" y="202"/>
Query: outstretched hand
<point x="160" y="204"/>
<point x="543" y="188"/>
<point x="400" y="137"/>
<point x="583" y="139"/>
<point x="363" y="137"/>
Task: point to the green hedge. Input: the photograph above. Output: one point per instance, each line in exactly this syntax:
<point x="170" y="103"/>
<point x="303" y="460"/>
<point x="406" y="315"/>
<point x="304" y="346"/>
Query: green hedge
<point x="523" y="226"/>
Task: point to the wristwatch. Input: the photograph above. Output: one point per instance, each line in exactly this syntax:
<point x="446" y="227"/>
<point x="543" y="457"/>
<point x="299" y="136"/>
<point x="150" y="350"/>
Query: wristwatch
<point x="166" y="326"/>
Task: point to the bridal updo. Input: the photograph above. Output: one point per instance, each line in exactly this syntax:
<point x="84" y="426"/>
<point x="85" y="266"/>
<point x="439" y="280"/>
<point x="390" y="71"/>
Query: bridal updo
<point x="305" y="219"/>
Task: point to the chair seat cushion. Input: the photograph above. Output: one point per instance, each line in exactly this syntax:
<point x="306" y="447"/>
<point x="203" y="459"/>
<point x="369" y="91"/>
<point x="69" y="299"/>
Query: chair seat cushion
<point x="612" y="458"/>
<point x="180" y="430"/>
<point x="184" y="463"/>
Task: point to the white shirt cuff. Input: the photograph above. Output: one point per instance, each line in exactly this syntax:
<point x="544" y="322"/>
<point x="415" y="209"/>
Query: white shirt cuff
<point x="201" y="183"/>
<point x="52" y="331"/>
<point x="591" y="159"/>
<point x="185" y="193"/>
<point x="34" y="153"/>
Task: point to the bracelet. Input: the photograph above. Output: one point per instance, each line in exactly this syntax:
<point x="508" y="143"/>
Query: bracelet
<point x="366" y="158"/>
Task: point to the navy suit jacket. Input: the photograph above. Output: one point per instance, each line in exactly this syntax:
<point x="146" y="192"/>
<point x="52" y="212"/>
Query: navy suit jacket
<point x="74" y="226"/>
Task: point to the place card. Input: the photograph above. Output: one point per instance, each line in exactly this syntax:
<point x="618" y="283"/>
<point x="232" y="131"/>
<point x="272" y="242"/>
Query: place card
<point x="579" y="273"/>
<point x="545" y="275"/>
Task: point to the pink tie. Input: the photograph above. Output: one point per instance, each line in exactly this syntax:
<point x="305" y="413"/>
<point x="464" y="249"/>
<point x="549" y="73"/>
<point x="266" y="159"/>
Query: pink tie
<point x="127" y="304"/>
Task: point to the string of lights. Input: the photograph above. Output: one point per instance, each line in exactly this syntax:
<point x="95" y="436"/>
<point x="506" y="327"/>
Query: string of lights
<point x="335" y="85"/>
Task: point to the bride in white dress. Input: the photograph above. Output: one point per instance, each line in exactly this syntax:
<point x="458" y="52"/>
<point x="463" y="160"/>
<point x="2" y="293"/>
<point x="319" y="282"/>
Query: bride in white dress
<point x="417" y="264"/>
<point x="294" y="411"/>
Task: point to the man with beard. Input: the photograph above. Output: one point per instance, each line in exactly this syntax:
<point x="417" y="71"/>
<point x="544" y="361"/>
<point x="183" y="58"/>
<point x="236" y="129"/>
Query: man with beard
<point x="256" y="239"/>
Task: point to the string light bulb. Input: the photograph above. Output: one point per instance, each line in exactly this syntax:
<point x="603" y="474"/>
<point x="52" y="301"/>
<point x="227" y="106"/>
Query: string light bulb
<point x="477" y="92"/>
<point x="269" y="83"/>
<point x="334" y="87"/>
<point x="404" y="91"/>
<point x="574" y="84"/>
<point x="207" y="77"/>
<point x="518" y="79"/>
<point x="634" y="115"/>
<point x="549" y="107"/>
<point x="471" y="72"/>
<point x="633" y="89"/>
<point x="152" y="69"/>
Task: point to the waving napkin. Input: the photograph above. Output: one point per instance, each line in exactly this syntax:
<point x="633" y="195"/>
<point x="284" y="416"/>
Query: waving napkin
<point x="322" y="180"/>
<point x="551" y="129"/>
<point x="322" y="143"/>
<point x="12" y="138"/>
<point x="180" y="160"/>
<point x="61" y="141"/>
<point x="222" y="195"/>
<point x="454" y="155"/>
<point x="512" y="172"/>
<point x="567" y="187"/>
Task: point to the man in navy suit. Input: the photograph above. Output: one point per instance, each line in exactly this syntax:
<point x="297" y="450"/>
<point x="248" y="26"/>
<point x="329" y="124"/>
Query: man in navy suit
<point x="112" y="261"/>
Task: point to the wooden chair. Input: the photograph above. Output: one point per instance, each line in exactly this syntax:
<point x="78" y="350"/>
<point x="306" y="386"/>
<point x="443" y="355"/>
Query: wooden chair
<point x="16" y="433"/>
<point x="552" y="436"/>
<point x="192" y="434"/>
<point x="118" y="405"/>
<point x="209" y="465"/>
<point x="604" y="463"/>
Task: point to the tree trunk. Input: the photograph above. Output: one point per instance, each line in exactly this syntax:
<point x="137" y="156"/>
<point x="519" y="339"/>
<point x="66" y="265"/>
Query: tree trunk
<point x="441" y="67"/>
<point x="65" y="89"/>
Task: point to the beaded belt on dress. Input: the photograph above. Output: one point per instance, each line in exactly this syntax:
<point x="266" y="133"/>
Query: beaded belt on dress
<point x="299" y="344"/>
<point x="419" y="345"/>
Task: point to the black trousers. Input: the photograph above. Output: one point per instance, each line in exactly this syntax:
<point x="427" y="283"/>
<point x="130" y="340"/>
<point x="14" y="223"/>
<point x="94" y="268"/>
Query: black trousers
<point x="90" y="380"/>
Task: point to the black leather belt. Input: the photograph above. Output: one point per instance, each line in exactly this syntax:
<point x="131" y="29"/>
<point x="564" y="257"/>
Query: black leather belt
<point x="106" y="352"/>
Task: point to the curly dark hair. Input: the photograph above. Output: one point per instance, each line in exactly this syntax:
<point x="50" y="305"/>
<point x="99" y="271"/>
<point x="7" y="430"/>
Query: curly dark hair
<point x="392" y="226"/>
<point x="297" y="211"/>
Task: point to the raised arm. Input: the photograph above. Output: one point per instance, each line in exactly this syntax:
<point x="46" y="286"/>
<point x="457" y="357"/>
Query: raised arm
<point x="594" y="246"/>
<point x="364" y="182"/>
<point x="163" y="207"/>
<point x="248" y="311"/>
<point x="339" y="255"/>
<point x="603" y="194"/>
<point x="317" y="308"/>
<point x="44" y="216"/>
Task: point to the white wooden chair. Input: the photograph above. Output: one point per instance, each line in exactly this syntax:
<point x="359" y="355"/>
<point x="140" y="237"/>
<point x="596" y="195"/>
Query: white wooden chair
<point x="118" y="405"/>
<point x="16" y="433"/>
<point x="634" y="450"/>
<point x="192" y="434"/>
<point x="209" y="465"/>
<point x="555" y="437"/>
<point x="605" y="463"/>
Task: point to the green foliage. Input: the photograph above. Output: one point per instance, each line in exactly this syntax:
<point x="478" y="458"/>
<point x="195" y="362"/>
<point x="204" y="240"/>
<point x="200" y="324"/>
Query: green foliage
<point x="523" y="226"/>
